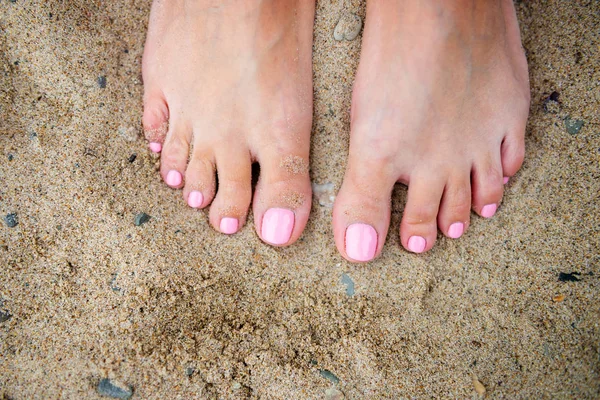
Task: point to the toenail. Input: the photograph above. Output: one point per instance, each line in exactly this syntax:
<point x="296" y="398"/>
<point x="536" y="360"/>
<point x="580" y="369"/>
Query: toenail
<point x="229" y="225"/>
<point x="277" y="226"/>
<point x="456" y="230"/>
<point x="417" y="244"/>
<point x="506" y="178"/>
<point x="195" y="199"/>
<point x="361" y="242"/>
<point x="155" y="147"/>
<point x="173" y="178"/>
<point x="489" y="210"/>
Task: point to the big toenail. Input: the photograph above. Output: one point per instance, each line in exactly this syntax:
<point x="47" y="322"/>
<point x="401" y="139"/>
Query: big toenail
<point x="417" y="244"/>
<point x="489" y="210"/>
<point x="456" y="230"/>
<point x="173" y="178"/>
<point x="155" y="147"/>
<point x="277" y="226"/>
<point x="195" y="199"/>
<point x="229" y="225"/>
<point x="506" y="178"/>
<point x="361" y="242"/>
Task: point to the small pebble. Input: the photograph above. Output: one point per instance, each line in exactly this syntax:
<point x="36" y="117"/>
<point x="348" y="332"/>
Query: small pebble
<point x="558" y="298"/>
<point x="5" y="316"/>
<point x="189" y="371"/>
<point x="329" y="376"/>
<point x="573" y="125"/>
<point x="348" y="27"/>
<point x="324" y="194"/>
<point x="479" y="388"/>
<point x="10" y="157"/>
<point x="334" y="394"/>
<point x="568" y="277"/>
<point x="101" y="80"/>
<point x="236" y="386"/>
<point x="11" y="220"/>
<point x="132" y="158"/>
<point x="346" y="280"/>
<point x="141" y="218"/>
<point x="130" y="134"/>
<point x="109" y="388"/>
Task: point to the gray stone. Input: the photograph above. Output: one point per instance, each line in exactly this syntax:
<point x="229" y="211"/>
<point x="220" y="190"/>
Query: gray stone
<point x="334" y="394"/>
<point x="141" y="219"/>
<point x="348" y="27"/>
<point x="11" y="220"/>
<point x="5" y="316"/>
<point x="573" y="125"/>
<point x="329" y="376"/>
<point x="324" y="194"/>
<point x="109" y="388"/>
<point x="101" y="80"/>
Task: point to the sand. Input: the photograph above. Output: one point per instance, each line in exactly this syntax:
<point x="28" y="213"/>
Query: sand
<point x="171" y="309"/>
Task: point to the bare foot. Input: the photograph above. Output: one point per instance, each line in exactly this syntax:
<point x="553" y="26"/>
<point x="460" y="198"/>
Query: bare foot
<point x="440" y="104"/>
<point x="229" y="83"/>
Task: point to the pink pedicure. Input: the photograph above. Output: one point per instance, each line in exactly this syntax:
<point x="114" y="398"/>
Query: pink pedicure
<point x="277" y="226"/>
<point x="506" y="178"/>
<point x="155" y="147"/>
<point x="456" y="230"/>
<point x="416" y="244"/>
<point x="173" y="178"/>
<point x="229" y="226"/>
<point x="361" y="242"/>
<point x="489" y="210"/>
<point x="195" y="199"/>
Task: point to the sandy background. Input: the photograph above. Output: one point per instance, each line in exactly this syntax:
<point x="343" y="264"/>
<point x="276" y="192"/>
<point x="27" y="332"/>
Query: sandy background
<point x="173" y="309"/>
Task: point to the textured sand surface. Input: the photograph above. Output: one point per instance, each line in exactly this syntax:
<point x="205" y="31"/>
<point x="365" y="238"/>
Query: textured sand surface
<point x="173" y="309"/>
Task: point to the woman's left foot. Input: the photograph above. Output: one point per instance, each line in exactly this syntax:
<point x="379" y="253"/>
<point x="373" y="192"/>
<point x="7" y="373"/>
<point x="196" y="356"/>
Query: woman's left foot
<point x="440" y="103"/>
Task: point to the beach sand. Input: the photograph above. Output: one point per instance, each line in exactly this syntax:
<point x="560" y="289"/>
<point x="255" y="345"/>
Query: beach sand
<point x="171" y="309"/>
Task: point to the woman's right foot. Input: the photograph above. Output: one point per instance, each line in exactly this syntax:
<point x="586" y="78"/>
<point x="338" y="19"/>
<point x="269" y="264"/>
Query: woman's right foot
<point x="440" y="103"/>
<point x="227" y="84"/>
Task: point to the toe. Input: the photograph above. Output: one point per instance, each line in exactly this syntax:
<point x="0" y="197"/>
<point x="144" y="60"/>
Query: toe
<point x="175" y="155"/>
<point x="455" y="208"/>
<point x="513" y="153"/>
<point x="199" y="189"/>
<point x="487" y="184"/>
<point x="230" y="207"/>
<point x="155" y="121"/>
<point x="418" y="229"/>
<point x="283" y="197"/>
<point x="361" y="214"/>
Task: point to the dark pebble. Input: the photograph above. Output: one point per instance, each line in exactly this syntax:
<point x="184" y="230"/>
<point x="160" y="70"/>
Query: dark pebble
<point x="101" y="81"/>
<point x="5" y="316"/>
<point x="10" y="157"/>
<point x="109" y="389"/>
<point x="189" y="371"/>
<point x="132" y="158"/>
<point x="565" y="277"/>
<point x="573" y="125"/>
<point x="141" y="218"/>
<point x="329" y="376"/>
<point x="11" y="220"/>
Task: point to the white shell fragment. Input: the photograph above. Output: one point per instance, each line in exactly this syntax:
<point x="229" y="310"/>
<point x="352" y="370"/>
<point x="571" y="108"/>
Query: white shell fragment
<point x="348" y="27"/>
<point x="324" y="194"/>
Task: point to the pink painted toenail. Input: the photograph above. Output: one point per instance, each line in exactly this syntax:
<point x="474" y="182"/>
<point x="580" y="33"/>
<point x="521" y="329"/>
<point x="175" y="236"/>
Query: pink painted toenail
<point x="506" y="178"/>
<point x="417" y="244"/>
<point x="361" y="242"/>
<point x="277" y="226"/>
<point x="489" y="210"/>
<point x="173" y="178"/>
<point x="229" y="225"/>
<point x="456" y="230"/>
<point x="195" y="199"/>
<point x="155" y="147"/>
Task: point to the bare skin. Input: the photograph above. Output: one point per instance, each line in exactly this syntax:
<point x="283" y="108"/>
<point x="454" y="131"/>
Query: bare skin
<point x="440" y="103"/>
<point x="229" y="83"/>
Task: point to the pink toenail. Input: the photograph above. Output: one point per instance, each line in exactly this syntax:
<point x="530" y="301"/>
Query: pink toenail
<point x="417" y="244"/>
<point x="361" y="242"/>
<point x="155" y="147"/>
<point x="456" y="230"/>
<point x="506" y="178"/>
<point x="173" y="178"/>
<point x="229" y="225"/>
<point x="195" y="199"/>
<point x="489" y="210"/>
<point x="277" y="226"/>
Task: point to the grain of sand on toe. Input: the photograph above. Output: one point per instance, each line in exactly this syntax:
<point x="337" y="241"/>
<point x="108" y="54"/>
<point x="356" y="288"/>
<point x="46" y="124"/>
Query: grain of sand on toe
<point x="171" y="309"/>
